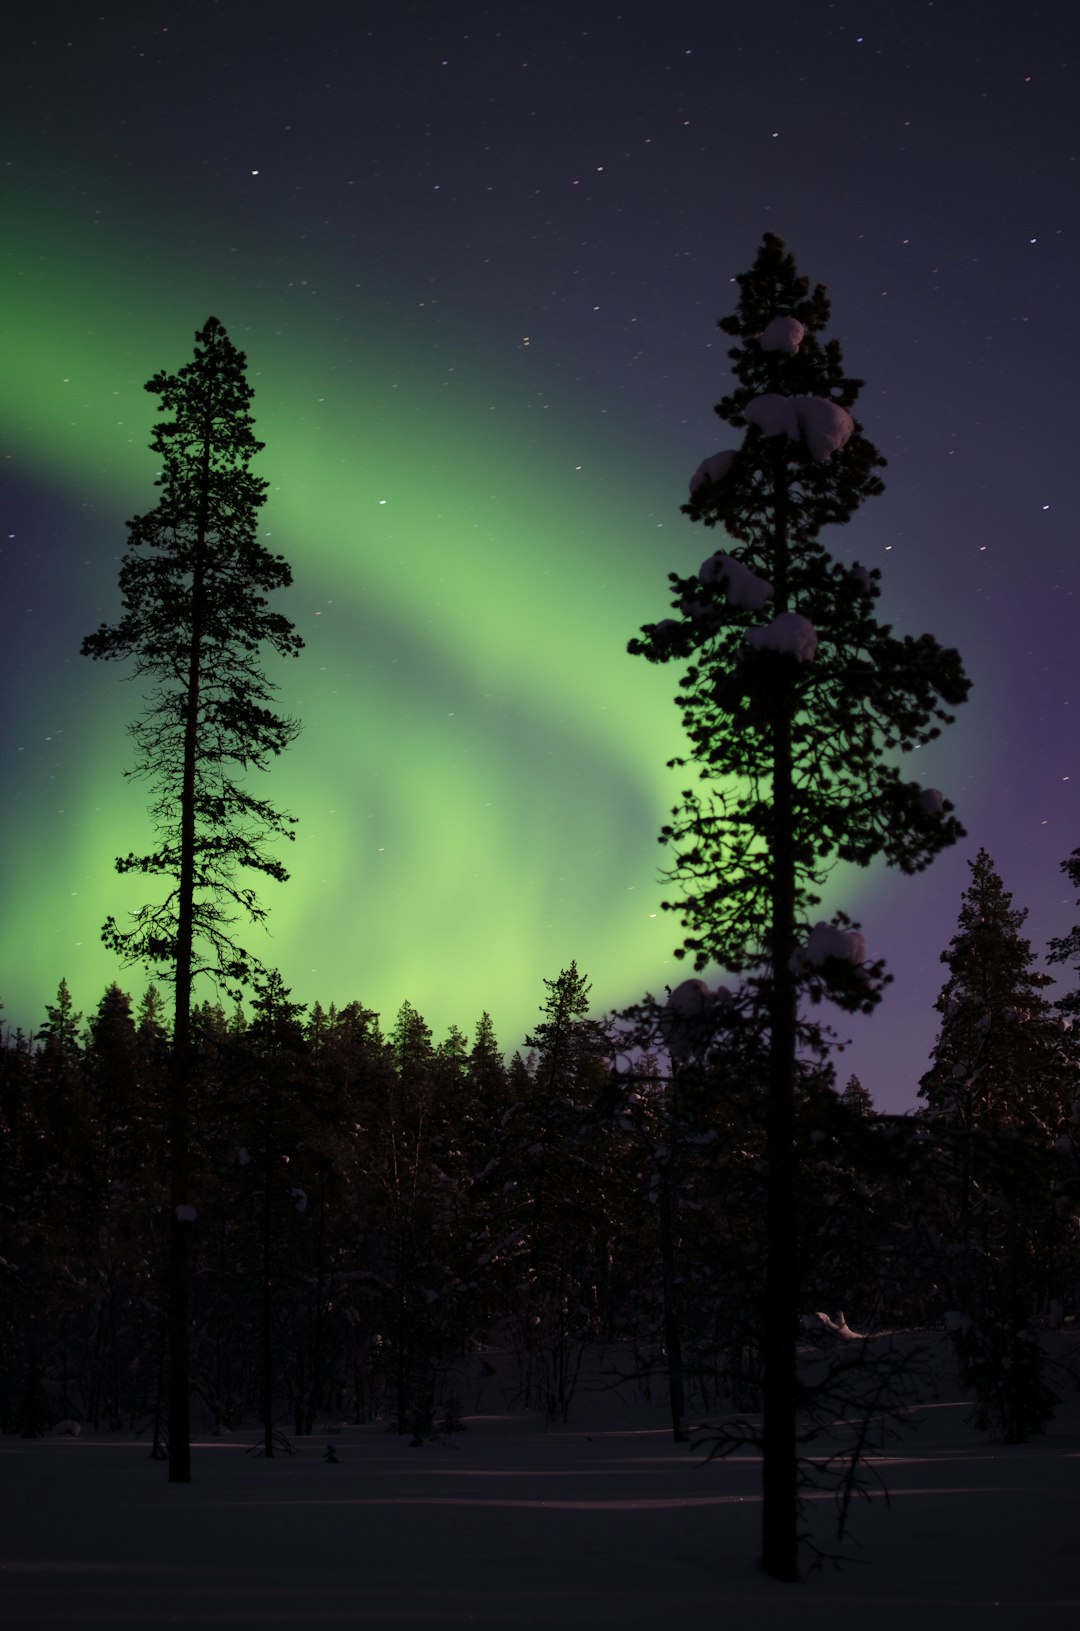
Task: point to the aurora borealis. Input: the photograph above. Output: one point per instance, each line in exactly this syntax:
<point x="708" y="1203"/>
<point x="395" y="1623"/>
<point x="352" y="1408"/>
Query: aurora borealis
<point x="499" y="728"/>
<point x="475" y="257"/>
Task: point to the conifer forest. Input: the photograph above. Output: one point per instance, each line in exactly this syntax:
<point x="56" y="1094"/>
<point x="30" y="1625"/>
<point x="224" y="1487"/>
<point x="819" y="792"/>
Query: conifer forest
<point x="220" y="1206"/>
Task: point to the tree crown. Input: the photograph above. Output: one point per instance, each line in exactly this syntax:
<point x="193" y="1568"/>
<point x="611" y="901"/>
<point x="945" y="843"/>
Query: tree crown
<point x="782" y="643"/>
<point x="194" y="583"/>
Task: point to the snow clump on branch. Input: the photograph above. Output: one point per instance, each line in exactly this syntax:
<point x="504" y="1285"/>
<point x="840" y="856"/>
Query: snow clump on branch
<point x="788" y="631"/>
<point x="773" y="415"/>
<point x="825" y="426"/>
<point x="702" y="612"/>
<point x="837" y="1327"/>
<point x="687" y="1020"/>
<point x="712" y="469"/>
<point x="826" y="941"/>
<point x="742" y="588"/>
<point x="693" y="998"/>
<point x="783" y="334"/>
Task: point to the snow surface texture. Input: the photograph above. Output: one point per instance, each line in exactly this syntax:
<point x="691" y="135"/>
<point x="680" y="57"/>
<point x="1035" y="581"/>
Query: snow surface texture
<point x="604" y="1523"/>
<point x="790" y="632"/>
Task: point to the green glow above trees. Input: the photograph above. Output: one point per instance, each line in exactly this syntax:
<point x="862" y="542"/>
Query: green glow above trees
<point x="471" y="759"/>
<point x="469" y="756"/>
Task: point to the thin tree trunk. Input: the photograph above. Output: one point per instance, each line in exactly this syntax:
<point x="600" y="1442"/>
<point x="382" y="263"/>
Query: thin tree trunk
<point x="780" y="1495"/>
<point x="402" y="1392"/>
<point x="179" y="1118"/>
<point x="267" y="1292"/>
<point x="179" y="1132"/>
<point x="780" y="1492"/>
<point x="672" y="1331"/>
<point x="157" y="1450"/>
<point x="179" y="1430"/>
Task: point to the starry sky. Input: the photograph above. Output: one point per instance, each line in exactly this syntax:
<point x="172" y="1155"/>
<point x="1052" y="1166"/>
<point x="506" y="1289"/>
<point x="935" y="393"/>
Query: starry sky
<point x="476" y="255"/>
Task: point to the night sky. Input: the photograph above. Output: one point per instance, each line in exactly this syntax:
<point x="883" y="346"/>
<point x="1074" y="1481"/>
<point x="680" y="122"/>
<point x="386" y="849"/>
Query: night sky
<point x="476" y="255"/>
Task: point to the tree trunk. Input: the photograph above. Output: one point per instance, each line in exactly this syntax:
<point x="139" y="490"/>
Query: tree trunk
<point x="672" y="1331"/>
<point x="179" y="1429"/>
<point x="267" y="1356"/>
<point x="157" y="1451"/>
<point x="780" y="1491"/>
<point x="179" y="1118"/>
<point x="780" y="1467"/>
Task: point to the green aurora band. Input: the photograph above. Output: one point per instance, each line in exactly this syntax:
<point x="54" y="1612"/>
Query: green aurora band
<point x="480" y="777"/>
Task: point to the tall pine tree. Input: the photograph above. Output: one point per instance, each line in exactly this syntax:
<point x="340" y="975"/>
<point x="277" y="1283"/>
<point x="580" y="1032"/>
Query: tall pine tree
<point x="194" y="582"/>
<point x="795" y="700"/>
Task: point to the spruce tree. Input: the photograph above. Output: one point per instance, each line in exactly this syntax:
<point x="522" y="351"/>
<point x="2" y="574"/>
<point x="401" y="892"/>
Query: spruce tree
<point x="561" y="1141"/>
<point x="486" y="1069"/>
<point x="570" y="1046"/>
<point x="61" y="1080"/>
<point x="795" y="700"/>
<point x="194" y="583"/>
<point x="999" y="1093"/>
<point x="998" y="1062"/>
<point x="58" y="1035"/>
<point x="856" y="1097"/>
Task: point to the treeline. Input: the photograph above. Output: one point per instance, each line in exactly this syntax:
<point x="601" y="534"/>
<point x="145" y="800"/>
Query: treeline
<point x="371" y="1206"/>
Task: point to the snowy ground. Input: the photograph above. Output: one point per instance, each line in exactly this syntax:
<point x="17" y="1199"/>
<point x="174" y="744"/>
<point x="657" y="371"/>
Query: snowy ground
<point x="510" y="1524"/>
